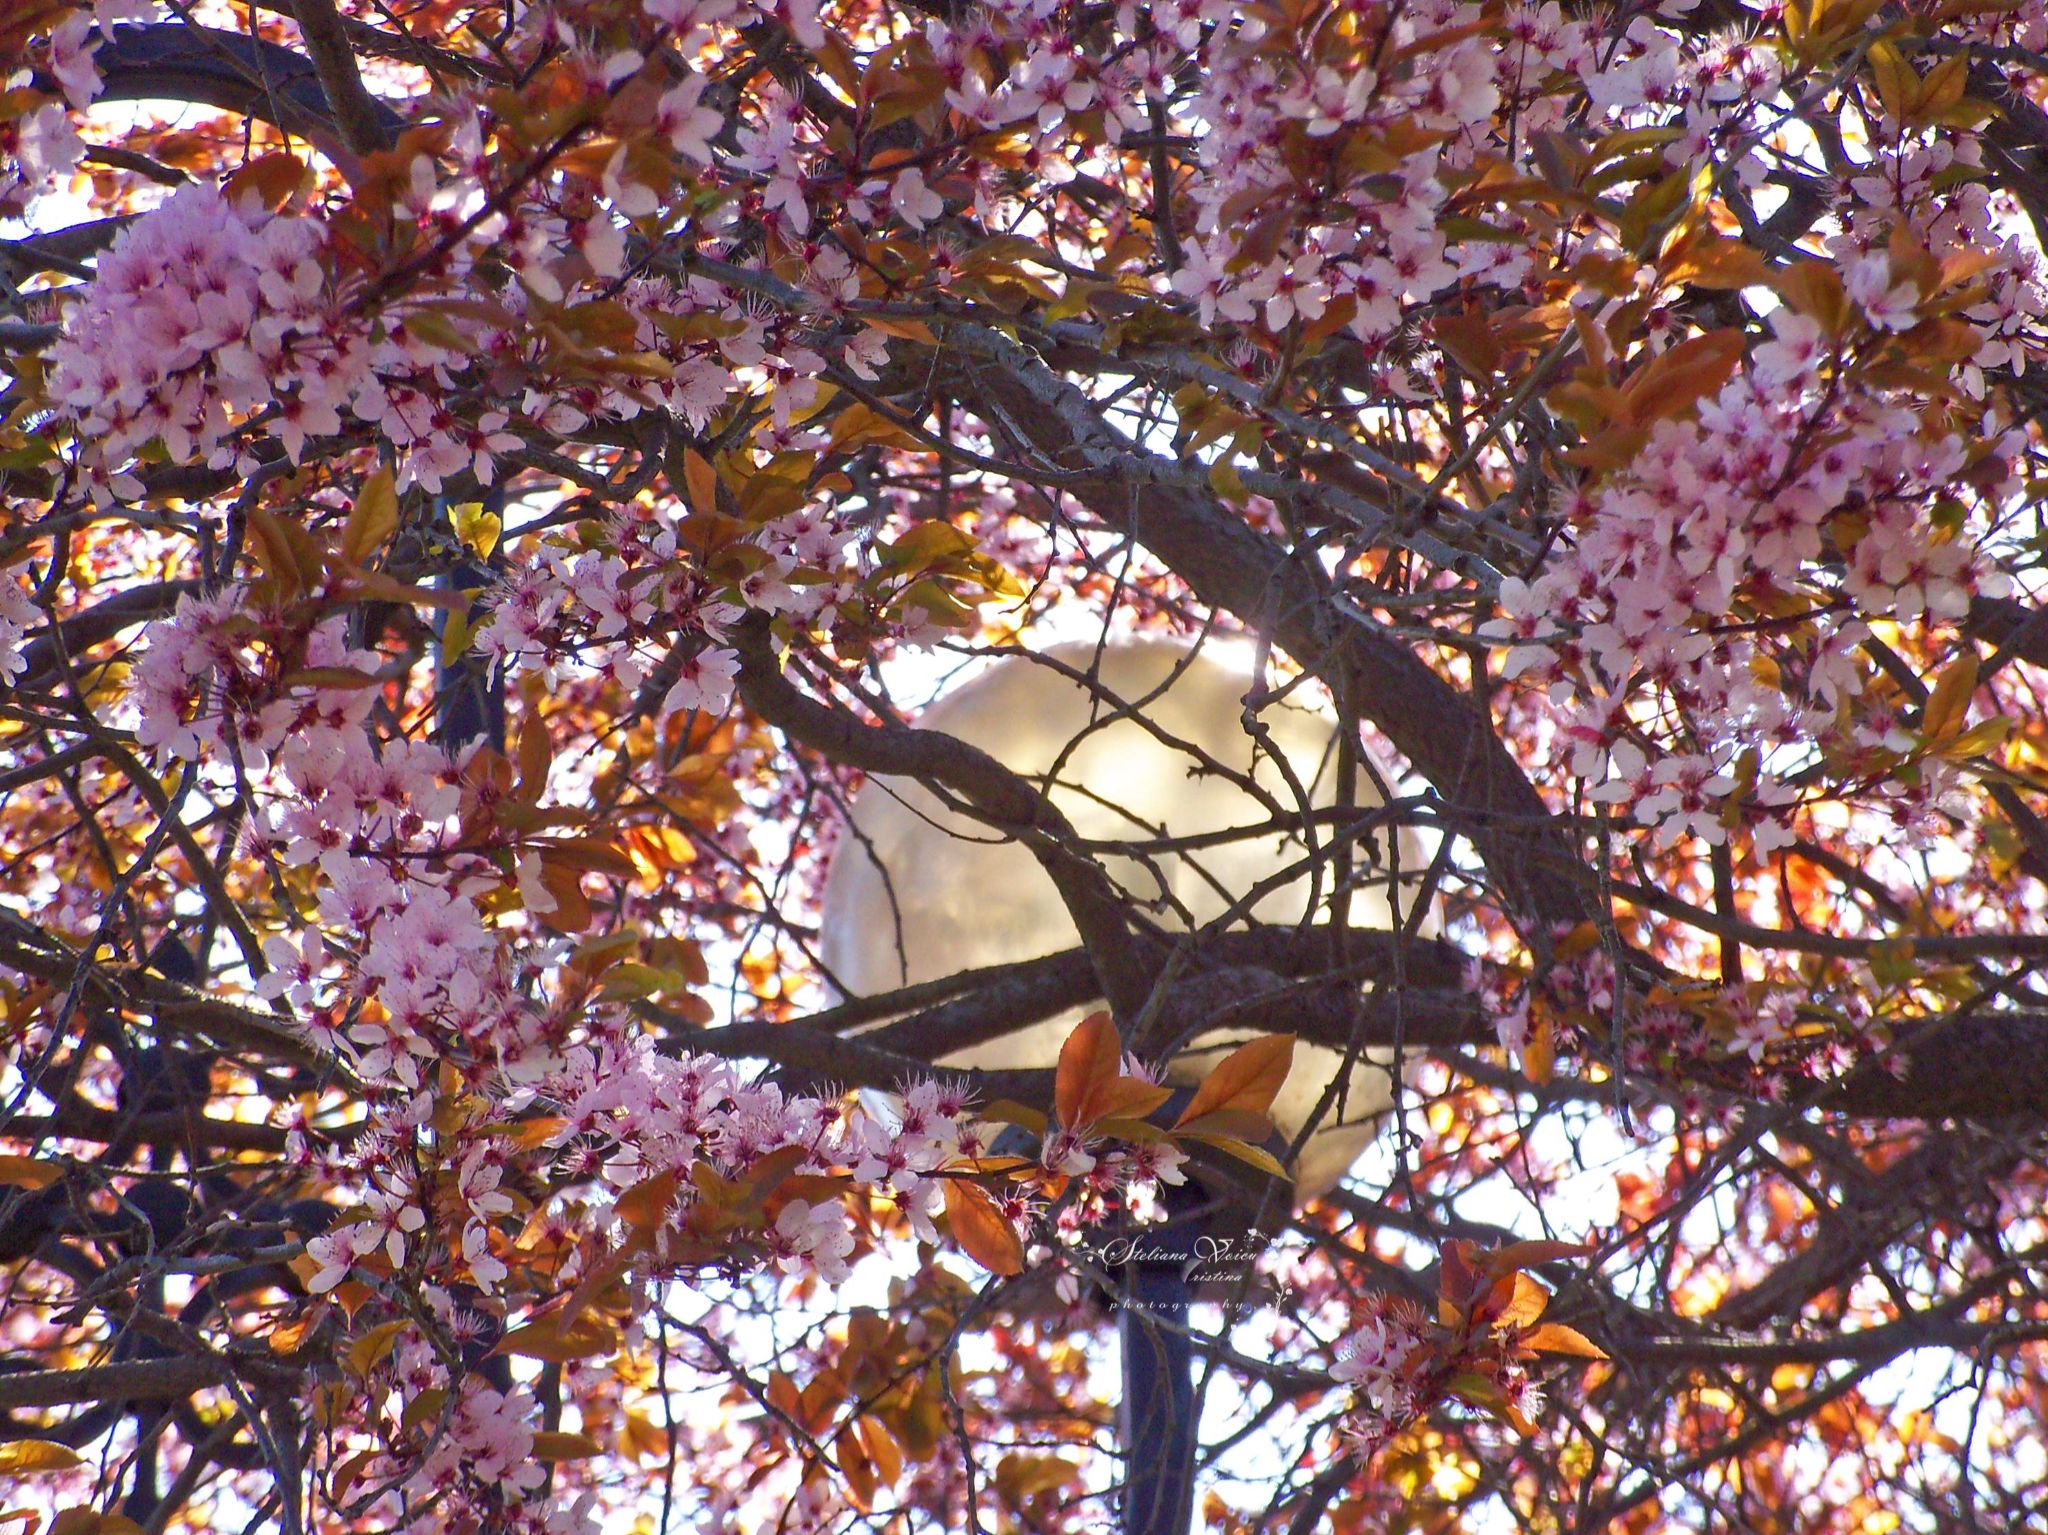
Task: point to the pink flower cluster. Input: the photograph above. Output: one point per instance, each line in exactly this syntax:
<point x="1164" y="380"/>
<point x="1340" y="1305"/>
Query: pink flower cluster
<point x="1379" y="1361"/>
<point x="402" y="975"/>
<point x="1375" y="239"/>
<point x="194" y="318"/>
<point x="1747" y="1035"/>
<point x="469" y="1465"/>
<point x="1636" y="625"/>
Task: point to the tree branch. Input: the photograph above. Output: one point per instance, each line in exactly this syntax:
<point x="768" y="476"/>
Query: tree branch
<point x="994" y="794"/>
<point x="356" y="114"/>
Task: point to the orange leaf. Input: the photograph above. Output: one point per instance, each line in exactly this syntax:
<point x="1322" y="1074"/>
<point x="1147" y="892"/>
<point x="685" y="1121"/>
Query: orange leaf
<point x="1131" y="1098"/>
<point x="883" y="1451"/>
<point x="1522" y="1255"/>
<point x="1090" y="1063"/>
<point x="536" y="755"/>
<point x="981" y="1229"/>
<point x="1526" y="1301"/>
<point x="1539" y="1056"/>
<point x="270" y="179"/>
<point x="646" y="1203"/>
<point x="899" y="325"/>
<point x="29" y="1172"/>
<point x="1556" y="1338"/>
<point x="700" y="481"/>
<point x="1716" y="262"/>
<point x="291" y="1336"/>
<point x="1678" y="378"/>
<point x="375" y="586"/>
<point x="572" y="908"/>
<point x="546" y="1338"/>
<point x="1245" y="1079"/>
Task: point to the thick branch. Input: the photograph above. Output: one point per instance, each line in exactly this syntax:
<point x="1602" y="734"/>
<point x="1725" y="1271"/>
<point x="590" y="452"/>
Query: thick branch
<point x="246" y="75"/>
<point x="1976" y="1066"/>
<point x="147" y="1380"/>
<point x="103" y="620"/>
<point x="1231" y="566"/>
<point x="172" y="1007"/>
<point x="356" y="112"/>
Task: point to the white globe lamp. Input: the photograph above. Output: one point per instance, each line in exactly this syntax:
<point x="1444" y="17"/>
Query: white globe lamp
<point x="956" y="896"/>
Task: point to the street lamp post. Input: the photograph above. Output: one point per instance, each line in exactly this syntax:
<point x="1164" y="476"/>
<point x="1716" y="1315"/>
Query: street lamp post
<point x="1143" y="746"/>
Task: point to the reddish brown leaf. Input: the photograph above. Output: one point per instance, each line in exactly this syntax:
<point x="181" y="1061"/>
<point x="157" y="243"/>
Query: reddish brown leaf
<point x="1090" y="1062"/>
<point x="981" y="1229"/>
<point x="1246" y="1079"/>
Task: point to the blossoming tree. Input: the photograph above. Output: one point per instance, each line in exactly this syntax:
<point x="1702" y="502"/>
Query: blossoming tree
<point x="483" y="483"/>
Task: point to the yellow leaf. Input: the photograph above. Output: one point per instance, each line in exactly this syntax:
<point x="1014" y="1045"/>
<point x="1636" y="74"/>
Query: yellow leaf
<point x="87" y="1521"/>
<point x="1023" y="1476"/>
<point x="1898" y="87"/>
<point x="1943" y="87"/>
<point x="477" y="528"/>
<point x="1244" y="1151"/>
<point x="1227" y="482"/>
<point x="1948" y="702"/>
<point x="1980" y="737"/>
<point x="1237" y="1124"/>
<point x="371" y="520"/>
<point x="372" y="1346"/>
<point x="347" y="1471"/>
<point x="277" y="551"/>
<point x="926" y="545"/>
<point x="641" y="1438"/>
<point x="551" y="1445"/>
<point x="1007" y="1111"/>
<point x="858" y="426"/>
<point x="423" y="1408"/>
<point x="27" y="1457"/>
